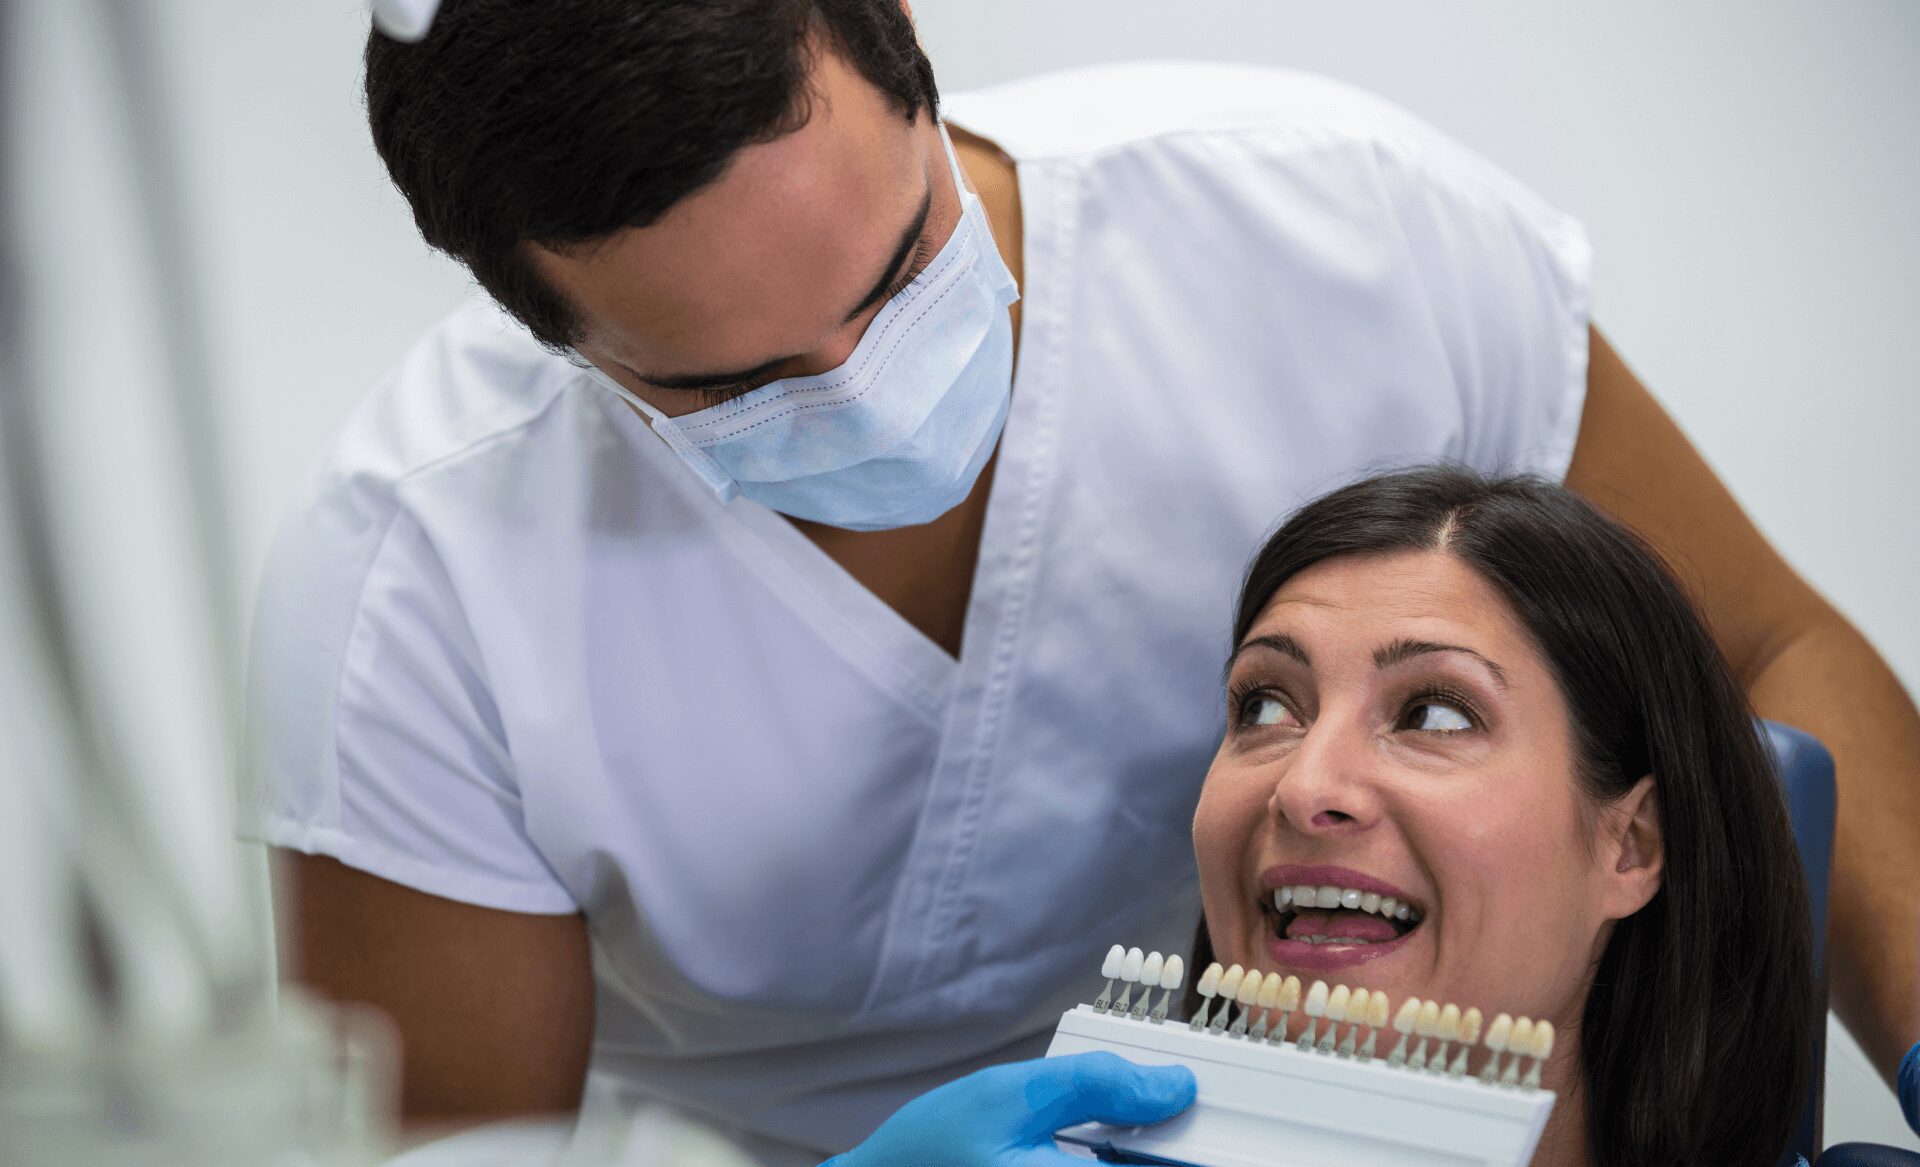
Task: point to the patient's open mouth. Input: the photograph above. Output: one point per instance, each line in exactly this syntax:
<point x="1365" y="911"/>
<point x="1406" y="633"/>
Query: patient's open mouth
<point x="1335" y="925"/>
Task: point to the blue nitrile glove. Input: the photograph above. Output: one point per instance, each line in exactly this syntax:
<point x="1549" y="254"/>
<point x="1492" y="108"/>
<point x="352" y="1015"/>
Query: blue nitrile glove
<point x="1005" y="1116"/>
<point x="1908" y="1086"/>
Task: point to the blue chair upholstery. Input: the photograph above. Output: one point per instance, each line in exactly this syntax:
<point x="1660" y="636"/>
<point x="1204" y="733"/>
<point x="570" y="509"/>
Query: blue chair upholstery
<point x="1806" y="777"/>
<point x="1868" y="1155"/>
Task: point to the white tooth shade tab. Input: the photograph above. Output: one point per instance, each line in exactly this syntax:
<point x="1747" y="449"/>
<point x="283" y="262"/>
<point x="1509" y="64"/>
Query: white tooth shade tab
<point x="1210" y="980"/>
<point x="1150" y="969"/>
<point x="1230" y="982"/>
<point x="1110" y="967"/>
<point x="1317" y="999"/>
<point x="1130" y="967"/>
<point x="1173" y="974"/>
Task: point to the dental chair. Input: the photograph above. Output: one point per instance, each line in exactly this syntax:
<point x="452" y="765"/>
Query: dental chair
<point x="1806" y="774"/>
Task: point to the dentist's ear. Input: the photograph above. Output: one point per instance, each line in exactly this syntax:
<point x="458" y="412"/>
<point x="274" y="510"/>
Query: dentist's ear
<point x="1631" y="850"/>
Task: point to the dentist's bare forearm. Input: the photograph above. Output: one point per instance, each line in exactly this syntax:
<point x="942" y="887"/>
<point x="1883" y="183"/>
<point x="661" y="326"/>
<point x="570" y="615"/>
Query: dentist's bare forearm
<point x="1827" y="680"/>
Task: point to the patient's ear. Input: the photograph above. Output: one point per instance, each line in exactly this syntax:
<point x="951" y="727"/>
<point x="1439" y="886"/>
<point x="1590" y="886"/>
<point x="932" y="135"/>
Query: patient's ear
<point x="1631" y="851"/>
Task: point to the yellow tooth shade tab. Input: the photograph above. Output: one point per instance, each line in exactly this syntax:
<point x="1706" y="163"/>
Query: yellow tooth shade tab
<point x="1377" y="1007"/>
<point x="1290" y="994"/>
<point x="1449" y="1027"/>
<point x="1470" y="1026"/>
<point x="1427" y="1019"/>
<point x="1409" y="1015"/>
<point x="1250" y="987"/>
<point x="1270" y="992"/>
<point x="1499" y="1033"/>
<point x="1522" y="1038"/>
<point x="1543" y="1040"/>
<point x="1357" y="1007"/>
<point x="1337" y="1003"/>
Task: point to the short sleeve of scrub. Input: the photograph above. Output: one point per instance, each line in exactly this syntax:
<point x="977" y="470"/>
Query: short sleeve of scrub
<point x="1507" y="280"/>
<point x="383" y="748"/>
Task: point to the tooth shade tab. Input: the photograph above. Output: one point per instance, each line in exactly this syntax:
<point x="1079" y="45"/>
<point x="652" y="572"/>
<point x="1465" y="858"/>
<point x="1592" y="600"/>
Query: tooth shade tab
<point x="1317" y="1000"/>
<point x="1209" y="980"/>
<point x="1543" y="1040"/>
<point x="1377" y="1007"/>
<point x="1290" y="994"/>
<point x="1499" y="1033"/>
<point x="1357" y="1006"/>
<point x="1250" y="988"/>
<point x="1409" y="1015"/>
<point x="1150" y="969"/>
<point x="1470" y="1026"/>
<point x="1110" y="967"/>
<point x="1130" y="967"/>
<point x="1448" y="1028"/>
<point x="1230" y="982"/>
<point x="1521" y="1041"/>
<point x="1269" y="997"/>
<point x="1173" y="974"/>
<point x="1337" y="1003"/>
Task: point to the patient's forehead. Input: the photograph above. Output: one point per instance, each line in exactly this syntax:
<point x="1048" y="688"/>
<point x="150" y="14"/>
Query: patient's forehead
<point x="1383" y="595"/>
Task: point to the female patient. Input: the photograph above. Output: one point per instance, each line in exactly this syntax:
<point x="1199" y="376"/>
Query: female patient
<point x="1485" y="701"/>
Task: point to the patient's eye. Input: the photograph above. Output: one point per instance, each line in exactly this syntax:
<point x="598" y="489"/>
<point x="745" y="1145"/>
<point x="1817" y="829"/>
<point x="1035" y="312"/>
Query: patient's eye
<point x="1262" y="708"/>
<point x="1436" y="716"/>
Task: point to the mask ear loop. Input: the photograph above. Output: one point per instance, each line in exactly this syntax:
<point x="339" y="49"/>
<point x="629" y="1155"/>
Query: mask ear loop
<point x="698" y="460"/>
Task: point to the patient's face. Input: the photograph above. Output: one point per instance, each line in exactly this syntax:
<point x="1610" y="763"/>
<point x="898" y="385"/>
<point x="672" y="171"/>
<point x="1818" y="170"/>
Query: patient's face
<point x="1392" y="730"/>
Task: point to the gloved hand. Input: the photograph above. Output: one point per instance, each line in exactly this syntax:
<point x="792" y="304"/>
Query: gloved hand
<point x="1005" y="1116"/>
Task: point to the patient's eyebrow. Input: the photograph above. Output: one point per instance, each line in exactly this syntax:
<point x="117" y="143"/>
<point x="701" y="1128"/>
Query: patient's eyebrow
<point x="1403" y="650"/>
<point x="1279" y="642"/>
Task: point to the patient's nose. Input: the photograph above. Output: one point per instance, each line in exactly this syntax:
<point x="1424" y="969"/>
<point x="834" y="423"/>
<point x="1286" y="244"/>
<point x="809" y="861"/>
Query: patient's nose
<point x="1327" y="786"/>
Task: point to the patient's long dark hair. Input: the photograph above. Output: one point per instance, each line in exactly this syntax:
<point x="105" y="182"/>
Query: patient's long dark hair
<point x="1698" y="1036"/>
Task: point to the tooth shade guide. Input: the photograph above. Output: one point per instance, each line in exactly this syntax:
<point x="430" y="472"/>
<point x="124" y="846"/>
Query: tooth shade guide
<point x="1173" y="974"/>
<point x="1256" y="1097"/>
<point x="1542" y="1050"/>
<point x="1498" y="1034"/>
<point x="1519" y="1043"/>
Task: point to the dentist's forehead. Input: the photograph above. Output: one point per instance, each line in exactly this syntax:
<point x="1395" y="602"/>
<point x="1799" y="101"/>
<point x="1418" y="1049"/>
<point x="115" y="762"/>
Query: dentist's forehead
<point x="754" y="262"/>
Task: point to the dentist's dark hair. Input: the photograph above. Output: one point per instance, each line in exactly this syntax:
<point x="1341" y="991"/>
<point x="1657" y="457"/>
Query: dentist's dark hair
<point x="1698" y="1036"/>
<point x="560" y="122"/>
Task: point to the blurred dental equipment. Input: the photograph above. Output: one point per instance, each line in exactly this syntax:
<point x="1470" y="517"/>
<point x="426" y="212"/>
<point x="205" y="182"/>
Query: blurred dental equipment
<point x="140" y="1021"/>
<point x="405" y="20"/>
<point x="138" y="1018"/>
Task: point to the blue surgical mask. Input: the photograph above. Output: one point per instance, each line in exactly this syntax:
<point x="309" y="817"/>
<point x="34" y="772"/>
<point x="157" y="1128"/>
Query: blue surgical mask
<point x="897" y="435"/>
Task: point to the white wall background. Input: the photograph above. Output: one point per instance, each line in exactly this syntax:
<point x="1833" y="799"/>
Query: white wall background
<point x="1748" y="175"/>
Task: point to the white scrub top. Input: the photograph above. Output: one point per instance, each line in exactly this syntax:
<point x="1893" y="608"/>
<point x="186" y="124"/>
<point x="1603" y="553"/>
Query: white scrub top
<point x="512" y="652"/>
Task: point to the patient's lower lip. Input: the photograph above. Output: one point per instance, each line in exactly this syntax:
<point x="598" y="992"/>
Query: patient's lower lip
<point x="1330" y="957"/>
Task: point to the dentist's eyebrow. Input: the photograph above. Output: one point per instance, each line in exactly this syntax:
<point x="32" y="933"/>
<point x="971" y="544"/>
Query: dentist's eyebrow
<point x="1403" y="650"/>
<point x="1279" y="642"/>
<point x="902" y="255"/>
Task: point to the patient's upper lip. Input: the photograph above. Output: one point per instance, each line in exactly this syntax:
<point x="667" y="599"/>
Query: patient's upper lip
<point x="1325" y="875"/>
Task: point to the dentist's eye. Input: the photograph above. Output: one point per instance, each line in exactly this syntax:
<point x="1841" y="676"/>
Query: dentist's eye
<point x="1438" y="713"/>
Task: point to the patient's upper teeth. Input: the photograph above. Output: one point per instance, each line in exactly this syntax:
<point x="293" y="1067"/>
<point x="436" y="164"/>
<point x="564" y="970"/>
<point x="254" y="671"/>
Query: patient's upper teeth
<point x="1370" y="902"/>
<point x="1282" y="898"/>
<point x="1349" y="898"/>
<point x="1387" y="904"/>
<point x="1402" y="912"/>
<point x="1305" y="896"/>
<point x="1328" y="897"/>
